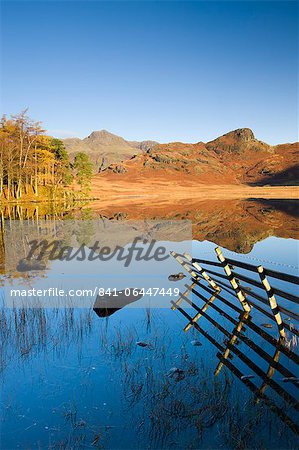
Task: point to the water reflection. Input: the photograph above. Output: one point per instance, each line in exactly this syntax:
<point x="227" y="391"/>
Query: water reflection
<point x="92" y="382"/>
<point x="248" y="365"/>
<point x="236" y="225"/>
<point x="75" y="379"/>
<point x="34" y="212"/>
<point x="119" y="299"/>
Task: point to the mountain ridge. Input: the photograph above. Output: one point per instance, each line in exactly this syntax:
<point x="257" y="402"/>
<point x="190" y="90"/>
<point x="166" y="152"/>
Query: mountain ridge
<point x="235" y="157"/>
<point x="105" y="148"/>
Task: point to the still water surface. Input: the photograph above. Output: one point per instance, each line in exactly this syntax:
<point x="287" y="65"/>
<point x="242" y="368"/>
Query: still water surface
<point x="73" y="379"/>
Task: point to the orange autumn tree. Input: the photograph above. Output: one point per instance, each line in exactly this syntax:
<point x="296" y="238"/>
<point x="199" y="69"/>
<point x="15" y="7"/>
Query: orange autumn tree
<point x="30" y="159"/>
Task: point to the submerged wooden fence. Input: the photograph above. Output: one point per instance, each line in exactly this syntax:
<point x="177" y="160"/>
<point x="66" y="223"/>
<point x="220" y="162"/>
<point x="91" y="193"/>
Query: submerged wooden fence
<point x="209" y="287"/>
<point x="259" y="293"/>
<point x="229" y="350"/>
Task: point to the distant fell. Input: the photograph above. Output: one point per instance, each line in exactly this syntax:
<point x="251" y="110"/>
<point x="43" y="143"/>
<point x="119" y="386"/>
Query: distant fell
<point x="105" y="148"/>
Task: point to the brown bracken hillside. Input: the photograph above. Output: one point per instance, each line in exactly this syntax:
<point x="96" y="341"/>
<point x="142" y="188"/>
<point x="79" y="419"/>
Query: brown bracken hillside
<point x="234" y="158"/>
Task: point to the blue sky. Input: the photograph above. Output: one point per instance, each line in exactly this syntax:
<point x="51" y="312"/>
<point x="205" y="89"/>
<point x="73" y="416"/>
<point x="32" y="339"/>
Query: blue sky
<point x="170" y="71"/>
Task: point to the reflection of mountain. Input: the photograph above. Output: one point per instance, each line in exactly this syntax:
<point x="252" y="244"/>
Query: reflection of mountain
<point x="288" y="206"/>
<point x="233" y="224"/>
<point x="236" y="225"/>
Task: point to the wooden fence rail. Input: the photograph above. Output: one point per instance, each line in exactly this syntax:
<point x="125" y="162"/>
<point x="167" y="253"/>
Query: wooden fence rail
<point x="233" y="349"/>
<point x="246" y="295"/>
<point x="271" y="273"/>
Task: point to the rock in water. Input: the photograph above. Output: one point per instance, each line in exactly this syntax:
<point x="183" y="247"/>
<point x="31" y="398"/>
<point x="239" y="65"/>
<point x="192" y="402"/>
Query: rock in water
<point x="196" y="343"/>
<point x="144" y="344"/>
<point x="176" y="277"/>
<point x="176" y="373"/>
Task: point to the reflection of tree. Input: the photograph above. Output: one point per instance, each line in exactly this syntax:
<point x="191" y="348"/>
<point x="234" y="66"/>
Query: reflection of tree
<point x="233" y="224"/>
<point x="85" y="231"/>
<point x="35" y="221"/>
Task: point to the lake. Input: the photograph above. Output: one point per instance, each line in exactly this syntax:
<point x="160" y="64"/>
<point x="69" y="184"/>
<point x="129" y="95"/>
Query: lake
<point x="130" y="377"/>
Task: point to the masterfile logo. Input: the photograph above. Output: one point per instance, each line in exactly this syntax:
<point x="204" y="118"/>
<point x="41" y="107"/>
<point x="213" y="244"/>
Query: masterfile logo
<point x="70" y="263"/>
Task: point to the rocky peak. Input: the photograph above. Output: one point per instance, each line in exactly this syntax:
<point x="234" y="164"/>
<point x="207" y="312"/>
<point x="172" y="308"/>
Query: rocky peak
<point x="104" y="138"/>
<point x="101" y="134"/>
<point x="242" y="134"/>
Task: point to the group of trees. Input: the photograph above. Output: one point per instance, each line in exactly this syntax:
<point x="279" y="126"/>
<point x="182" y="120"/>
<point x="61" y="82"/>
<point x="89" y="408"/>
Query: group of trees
<point x="29" y="160"/>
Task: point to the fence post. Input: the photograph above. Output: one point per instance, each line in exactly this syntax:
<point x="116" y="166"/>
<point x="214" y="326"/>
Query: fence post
<point x="202" y="272"/>
<point x="185" y="265"/>
<point x="179" y="301"/>
<point x="199" y="314"/>
<point x="270" y="373"/>
<point x="232" y="341"/>
<point x="240" y="294"/>
<point x="272" y="300"/>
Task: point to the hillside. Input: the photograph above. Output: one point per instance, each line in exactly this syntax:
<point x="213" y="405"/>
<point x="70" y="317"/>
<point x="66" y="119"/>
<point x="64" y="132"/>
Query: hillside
<point x="105" y="148"/>
<point x="234" y="158"/>
<point x="235" y="224"/>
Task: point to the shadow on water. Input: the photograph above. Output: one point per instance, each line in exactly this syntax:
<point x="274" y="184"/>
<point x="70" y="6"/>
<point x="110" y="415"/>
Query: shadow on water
<point x="102" y="304"/>
<point x="243" y="347"/>
<point x="264" y="363"/>
<point x="289" y="207"/>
